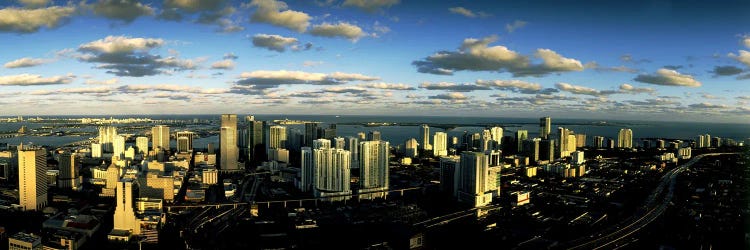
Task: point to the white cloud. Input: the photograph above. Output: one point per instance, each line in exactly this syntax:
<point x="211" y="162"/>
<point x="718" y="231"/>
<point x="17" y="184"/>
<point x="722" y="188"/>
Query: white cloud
<point x="370" y="5"/>
<point x="517" y="24"/>
<point x="450" y="96"/>
<point x="124" y="10"/>
<point x="552" y="61"/>
<point x="746" y="41"/>
<point x="669" y="77"/>
<point x="453" y="87"/>
<point x="104" y="82"/>
<point x="743" y="57"/>
<point x="273" y="42"/>
<point x="31" y="20"/>
<point x="29" y="79"/>
<point x="341" y="29"/>
<point x="223" y="64"/>
<point x="391" y="86"/>
<point x="351" y="77"/>
<point x="575" y="89"/>
<point x="95" y="90"/>
<point x="513" y="85"/>
<point x="125" y="56"/>
<point x="706" y="105"/>
<point x="312" y="63"/>
<point x="277" y="13"/>
<point x="121" y="44"/>
<point x="265" y="79"/>
<point x="627" y="88"/>
<point x="194" y="5"/>
<point x="26" y="62"/>
<point x="466" y="12"/>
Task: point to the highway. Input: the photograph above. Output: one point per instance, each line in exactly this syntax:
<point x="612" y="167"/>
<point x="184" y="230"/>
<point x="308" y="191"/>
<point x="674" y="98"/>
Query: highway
<point x="653" y="207"/>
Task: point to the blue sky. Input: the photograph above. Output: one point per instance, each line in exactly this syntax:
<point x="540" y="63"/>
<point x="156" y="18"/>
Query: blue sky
<point x="650" y="60"/>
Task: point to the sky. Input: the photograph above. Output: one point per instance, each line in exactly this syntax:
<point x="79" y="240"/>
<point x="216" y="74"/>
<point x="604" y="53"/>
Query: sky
<point x="632" y="60"/>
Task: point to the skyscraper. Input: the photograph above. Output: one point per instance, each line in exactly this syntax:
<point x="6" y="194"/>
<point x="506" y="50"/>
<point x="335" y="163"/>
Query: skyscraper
<point x="373" y="160"/>
<point x="124" y="218"/>
<point x="311" y="133"/>
<point x="339" y="142"/>
<point x="255" y="140"/>
<point x="520" y="136"/>
<point x="118" y="146"/>
<point x="531" y="148"/>
<point x="580" y="140"/>
<point x="332" y="172"/>
<point x="184" y="141"/>
<point x="96" y="150"/>
<point x="277" y="137"/>
<point x="545" y="127"/>
<point x="160" y="138"/>
<point x="308" y="170"/>
<point x="424" y="136"/>
<point x="106" y="137"/>
<point x="228" y="142"/>
<point x="599" y="141"/>
<point x="448" y="167"/>
<point x="69" y="178"/>
<point x="410" y="147"/>
<point x="441" y="144"/>
<point x="497" y="136"/>
<point x="352" y="144"/>
<point x="487" y="142"/>
<point x="321" y="144"/>
<point x="32" y="178"/>
<point x="625" y="138"/>
<point x="141" y="142"/>
<point x="472" y="179"/>
<point x="373" y="136"/>
<point x="361" y="136"/>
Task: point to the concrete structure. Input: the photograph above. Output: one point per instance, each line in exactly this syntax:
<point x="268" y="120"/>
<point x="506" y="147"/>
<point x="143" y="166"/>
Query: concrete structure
<point x="308" y="170"/>
<point x="107" y="137"/>
<point x="184" y="141"/>
<point x="125" y="222"/>
<point x="520" y="136"/>
<point x="277" y="137"/>
<point x="497" y="136"/>
<point x="311" y="133"/>
<point x="374" y="136"/>
<point x="545" y="127"/>
<point x="24" y="241"/>
<point x="440" y="147"/>
<point x="255" y="139"/>
<point x="424" y="137"/>
<point x="472" y="178"/>
<point x="228" y="143"/>
<point x="141" y="143"/>
<point x="577" y="158"/>
<point x="448" y="167"/>
<point x="32" y="178"/>
<point x="96" y="150"/>
<point x="532" y="149"/>
<point x="373" y="160"/>
<point x="331" y="173"/>
<point x="339" y="143"/>
<point x="599" y="142"/>
<point x="321" y="144"/>
<point x="210" y="176"/>
<point x="160" y="138"/>
<point x="118" y="146"/>
<point x="69" y="177"/>
<point x="580" y="140"/>
<point x="352" y="145"/>
<point x="410" y="148"/>
<point x="625" y="138"/>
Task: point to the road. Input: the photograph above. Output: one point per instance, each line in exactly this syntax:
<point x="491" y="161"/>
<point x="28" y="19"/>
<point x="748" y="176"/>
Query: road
<point x="654" y="206"/>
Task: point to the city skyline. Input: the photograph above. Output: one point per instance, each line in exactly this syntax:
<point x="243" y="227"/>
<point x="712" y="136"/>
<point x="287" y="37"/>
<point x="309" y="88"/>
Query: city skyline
<point x="642" y="60"/>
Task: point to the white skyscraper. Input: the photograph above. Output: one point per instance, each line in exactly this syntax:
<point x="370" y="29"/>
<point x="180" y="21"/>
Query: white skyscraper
<point x="141" y="142"/>
<point x="277" y="137"/>
<point x="96" y="150"/>
<point x="124" y="218"/>
<point x="487" y="142"/>
<point x="106" y="137"/>
<point x="160" y="138"/>
<point x="440" y="144"/>
<point x="424" y="137"/>
<point x="32" y="178"/>
<point x="321" y="144"/>
<point x="332" y="172"/>
<point x="308" y="170"/>
<point x="625" y="138"/>
<point x="373" y="160"/>
<point x="472" y="178"/>
<point x="352" y="145"/>
<point x="497" y="136"/>
<point x="411" y="147"/>
<point x="118" y="146"/>
<point x="228" y="142"/>
<point x="339" y="143"/>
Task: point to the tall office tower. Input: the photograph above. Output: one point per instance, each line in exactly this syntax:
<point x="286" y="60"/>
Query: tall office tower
<point x="308" y="170"/>
<point x="494" y="157"/>
<point x="566" y="142"/>
<point x="424" y="136"/>
<point x="69" y="178"/>
<point x="497" y="136"/>
<point x="160" y="138"/>
<point x="352" y="145"/>
<point x="332" y="172"/>
<point x="476" y="141"/>
<point x="124" y="219"/>
<point x="277" y="137"/>
<point x="32" y="178"/>
<point x="321" y="144"/>
<point x="118" y="146"/>
<point x="184" y="141"/>
<point x="410" y="147"/>
<point x="580" y="140"/>
<point x="361" y="136"/>
<point x="106" y="137"/>
<point x="448" y="167"/>
<point x="599" y="141"/>
<point x="141" y="142"/>
<point x="295" y="138"/>
<point x="311" y="133"/>
<point x="440" y="147"/>
<point x="472" y="179"/>
<point x="242" y="140"/>
<point x="96" y="150"/>
<point x="716" y="142"/>
<point x="547" y="150"/>
<point x="228" y="142"/>
<point x="487" y="142"/>
<point x="520" y="136"/>
<point x="339" y="142"/>
<point x="545" y="127"/>
<point x="373" y="136"/>
<point x="330" y="132"/>
<point x="700" y="142"/>
<point x="570" y="144"/>
<point x="707" y="137"/>
<point x="532" y="148"/>
<point x="279" y="155"/>
<point x="255" y="139"/>
<point x="373" y="173"/>
<point x="625" y="138"/>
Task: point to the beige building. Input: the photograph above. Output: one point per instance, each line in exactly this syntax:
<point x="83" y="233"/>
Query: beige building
<point x="32" y="178"/>
<point x="228" y="143"/>
<point x="160" y="138"/>
<point x="24" y="241"/>
<point x="125" y="222"/>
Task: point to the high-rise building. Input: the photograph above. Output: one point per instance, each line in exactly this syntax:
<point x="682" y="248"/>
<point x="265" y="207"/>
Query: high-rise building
<point x="311" y="133"/>
<point x="373" y="136"/>
<point x="373" y="160"/>
<point x="424" y="136"/>
<point x="545" y="127"/>
<point x="96" y="150"/>
<point x="330" y="132"/>
<point x="441" y="144"/>
<point x="532" y="148"/>
<point x="410" y="147"/>
<point x="707" y="137"/>
<point x="472" y="178"/>
<point x="229" y="153"/>
<point x="184" y="141"/>
<point x="124" y="218"/>
<point x="69" y="177"/>
<point x="520" y="136"/>
<point x="352" y="145"/>
<point x="295" y="138"/>
<point x="160" y="138"/>
<point x="448" y="167"/>
<point x="599" y="141"/>
<point x="106" y="137"/>
<point x="580" y="140"/>
<point x="332" y="173"/>
<point x="32" y="178"/>
<point x="497" y="136"/>
<point x="321" y="144"/>
<point x="255" y="139"/>
<point x="277" y="137"/>
<point x="308" y="170"/>
<point x="625" y="138"/>
<point x="141" y="142"/>
<point x="547" y="150"/>
<point x="339" y="142"/>
<point x="118" y="146"/>
<point x="361" y="136"/>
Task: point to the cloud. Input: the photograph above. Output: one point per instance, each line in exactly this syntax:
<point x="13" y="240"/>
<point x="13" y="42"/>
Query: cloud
<point x="450" y="96"/>
<point x="121" y="45"/>
<point x="581" y="90"/>
<point x="124" y="10"/>
<point x="142" y="88"/>
<point x="370" y="5"/>
<point x="517" y="24"/>
<point x="34" y="3"/>
<point x="627" y="88"/>
<point x="224" y="64"/>
<point x="453" y="87"/>
<point x="194" y="5"/>
<point x="390" y="86"/>
<point x="475" y="55"/>
<point x="673" y="67"/>
<point x="710" y="96"/>
<point x="312" y="63"/>
<point x="706" y="105"/>
<point x="29" y="80"/>
<point x="125" y="56"/>
<point x="104" y="82"/>
<point x="668" y="77"/>
<point x="265" y="79"/>
<point x="339" y="90"/>
<point x="468" y="13"/>
<point x="512" y="85"/>
<point x="273" y="42"/>
<point x="95" y="90"/>
<point x="341" y="29"/>
<point x="230" y="56"/>
<point x="746" y="41"/>
<point x="653" y="102"/>
<point x="31" y="20"/>
<point x="599" y="68"/>
<point x="276" y="13"/>
<point x="726" y="71"/>
<point x="629" y="59"/>
<point x="743" y="57"/>
<point x="26" y="62"/>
